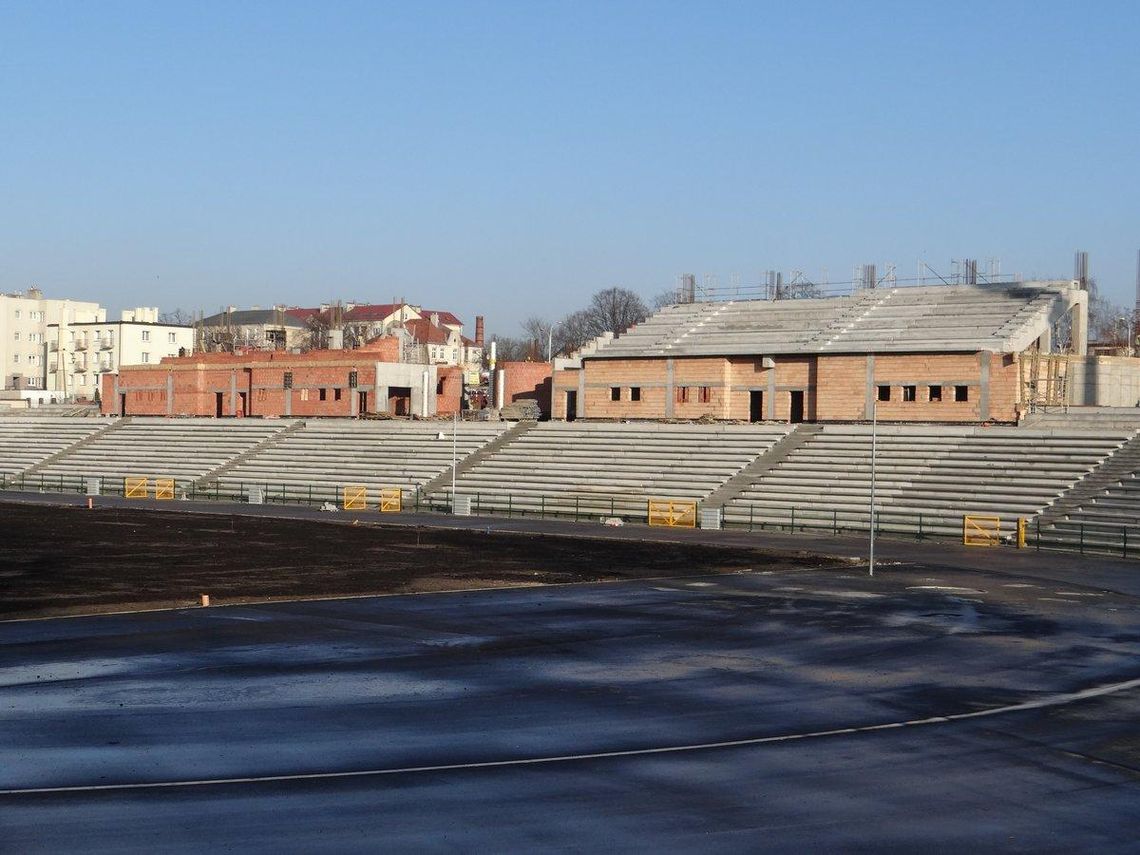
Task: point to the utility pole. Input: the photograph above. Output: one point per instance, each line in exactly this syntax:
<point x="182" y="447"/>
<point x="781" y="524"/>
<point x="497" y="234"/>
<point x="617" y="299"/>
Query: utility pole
<point x="874" y="443"/>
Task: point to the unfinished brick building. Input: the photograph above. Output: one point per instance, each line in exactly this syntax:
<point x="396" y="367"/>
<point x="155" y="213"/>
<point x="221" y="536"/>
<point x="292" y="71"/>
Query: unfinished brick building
<point x="917" y="354"/>
<point x="346" y="383"/>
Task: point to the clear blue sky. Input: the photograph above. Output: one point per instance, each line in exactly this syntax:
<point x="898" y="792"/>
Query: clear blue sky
<point x="512" y="158"/>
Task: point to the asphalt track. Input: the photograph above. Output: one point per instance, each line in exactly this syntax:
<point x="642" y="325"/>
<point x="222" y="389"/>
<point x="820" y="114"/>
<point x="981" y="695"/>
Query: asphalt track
<point x="930" y="708"/>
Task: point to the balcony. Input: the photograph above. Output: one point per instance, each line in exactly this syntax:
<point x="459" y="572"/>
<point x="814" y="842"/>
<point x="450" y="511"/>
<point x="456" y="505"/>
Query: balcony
<point x="80" y="344"/>
<point x="106" y="344"/>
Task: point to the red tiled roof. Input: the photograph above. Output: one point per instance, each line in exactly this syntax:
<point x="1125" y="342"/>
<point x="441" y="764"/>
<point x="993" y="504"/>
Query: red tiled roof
<point x="444" y="317"/>
<point x="425" y="332"/>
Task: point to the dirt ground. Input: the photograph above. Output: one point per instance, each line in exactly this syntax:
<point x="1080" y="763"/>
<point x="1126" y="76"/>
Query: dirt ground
<point x="66" y="560"/>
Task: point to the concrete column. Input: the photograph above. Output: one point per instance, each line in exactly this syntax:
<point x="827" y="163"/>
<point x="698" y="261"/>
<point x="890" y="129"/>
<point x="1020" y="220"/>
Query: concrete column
<point x="1080" y="328"/>
<point x="170" y="393"/>
<point x="582" y="391"/>
<point x="984" y="385"/>
<point x="118" y="396"/>
<point x="770" y="395"/>
<point x="670" y="388"/>
<point x="288" y="402"/>
<point x="869" y="391"/>
<point x="233" y="392"/>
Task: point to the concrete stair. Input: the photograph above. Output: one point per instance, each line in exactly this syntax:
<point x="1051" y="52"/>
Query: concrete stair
<point x="443" y="480"/>
<point x="71" y="449"/>
<point x="756" y="469"/>
<point x="268" y="442"/>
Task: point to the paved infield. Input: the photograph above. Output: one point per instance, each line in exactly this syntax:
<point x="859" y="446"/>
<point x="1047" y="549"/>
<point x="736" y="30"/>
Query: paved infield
<point x="689" y="714"/>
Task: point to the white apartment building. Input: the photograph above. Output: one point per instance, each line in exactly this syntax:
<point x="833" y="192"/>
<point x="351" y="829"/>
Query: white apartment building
<point x="24" y="320"/>
<point x="79" y="354"/>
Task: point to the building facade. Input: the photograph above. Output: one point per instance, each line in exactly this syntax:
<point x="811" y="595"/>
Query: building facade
<point x="24" y="322"/>
<point x="943" y="354"/>
<point x="336" y="383"/>
<point x="79" y="354"/>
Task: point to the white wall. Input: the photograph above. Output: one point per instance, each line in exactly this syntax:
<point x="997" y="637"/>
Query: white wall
<point x="24" y="322"/>
<point x="1104" y="381"/>
<point x="88" y="350"/>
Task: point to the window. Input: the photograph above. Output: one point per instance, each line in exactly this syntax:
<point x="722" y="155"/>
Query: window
<point x="146" y="335"/>
<point x="336" y="394"/>
<point x="705" y="394"/>
<point x="682" y="394"/>
<point x="439" y="386"/>
<point x="145" y="356"/>
<point x="15" y="357"/>
<point x="171" y="337"/>
<point x="17" y="314"/>
<point x="324" y="393"/>
<point x="884" y="393"/>
<point x="935" y="393"/>
<point x="17" y="335"/>
<point x="961" y="393"/>
<point x="909" y="393"/>
<point x="615" y="393"/>
<point x="304" y="394"/>
<point x="635" y="393"/>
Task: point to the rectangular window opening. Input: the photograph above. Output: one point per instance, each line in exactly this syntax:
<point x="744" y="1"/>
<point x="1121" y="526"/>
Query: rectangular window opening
<point x="635" y="393"/>
<point x="884" y="393"/>
<point x="336" y="394"/>
<point x="909" y="393"/>
<point x="935" y="393"/>
<point x="961" y="393"/>
<point x="682" y="394"/>
<point x="706" y="394"/>
<point x="323" y="394"/>
<point x="615" y="393"/>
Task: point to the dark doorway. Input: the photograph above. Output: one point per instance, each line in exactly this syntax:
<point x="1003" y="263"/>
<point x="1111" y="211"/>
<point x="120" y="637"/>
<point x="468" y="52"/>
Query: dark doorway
<point x="756" y="406"/>
<point x="400" y="400"/>
<point x="797" y="412"/>
<point x="219" y="404"/>
<point x="362" y="400"/>
<point x="122" y="403"/>
<point x="571" y="406"/>
<point x="243" y="404"/>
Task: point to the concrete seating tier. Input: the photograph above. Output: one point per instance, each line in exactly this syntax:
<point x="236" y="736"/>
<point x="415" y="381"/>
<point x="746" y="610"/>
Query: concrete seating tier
<point x="595" y="468"/>
<point x="183" y="449"/>
<point x="317" y="461"/>
<point x="24" y="441"/>
<point x="963" y="318"/>
<point x="940" y="473"/>
<point x="1109" y="519"/>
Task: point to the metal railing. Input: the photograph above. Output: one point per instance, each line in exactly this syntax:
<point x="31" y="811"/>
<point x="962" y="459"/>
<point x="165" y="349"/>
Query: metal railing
<point x="1090" y="538"/>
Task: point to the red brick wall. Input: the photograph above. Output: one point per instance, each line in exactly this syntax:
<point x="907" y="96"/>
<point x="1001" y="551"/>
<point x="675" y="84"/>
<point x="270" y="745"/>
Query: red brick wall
<point x="198" y="379"/>
<point x="527" y="381"/>
<point x="834" y="387"/>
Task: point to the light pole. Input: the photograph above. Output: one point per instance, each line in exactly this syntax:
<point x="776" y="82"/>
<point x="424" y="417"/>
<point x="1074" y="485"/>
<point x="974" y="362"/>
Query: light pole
<point x="874" y="443"/>
<point x="454" y="441"/>
<point x="1130" y="327"/>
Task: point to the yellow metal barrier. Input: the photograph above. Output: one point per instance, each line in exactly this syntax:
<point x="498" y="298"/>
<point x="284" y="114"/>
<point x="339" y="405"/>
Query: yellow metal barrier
<point x="390" y="500"/>
<point x="355" y="497"/>
<point x="135" y="488"/>
<point x="665" y="512"/>
<point x="1022" y="524"/>
<point x="981" y="530"/>
<point x="164" y="488"/>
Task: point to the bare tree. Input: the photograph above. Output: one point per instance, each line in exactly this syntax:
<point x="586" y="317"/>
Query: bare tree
<point x="668" y="297"/>
<point x="507" y="349"/>
<point x="178" y="317"/>
<point x="616" y="310"/>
